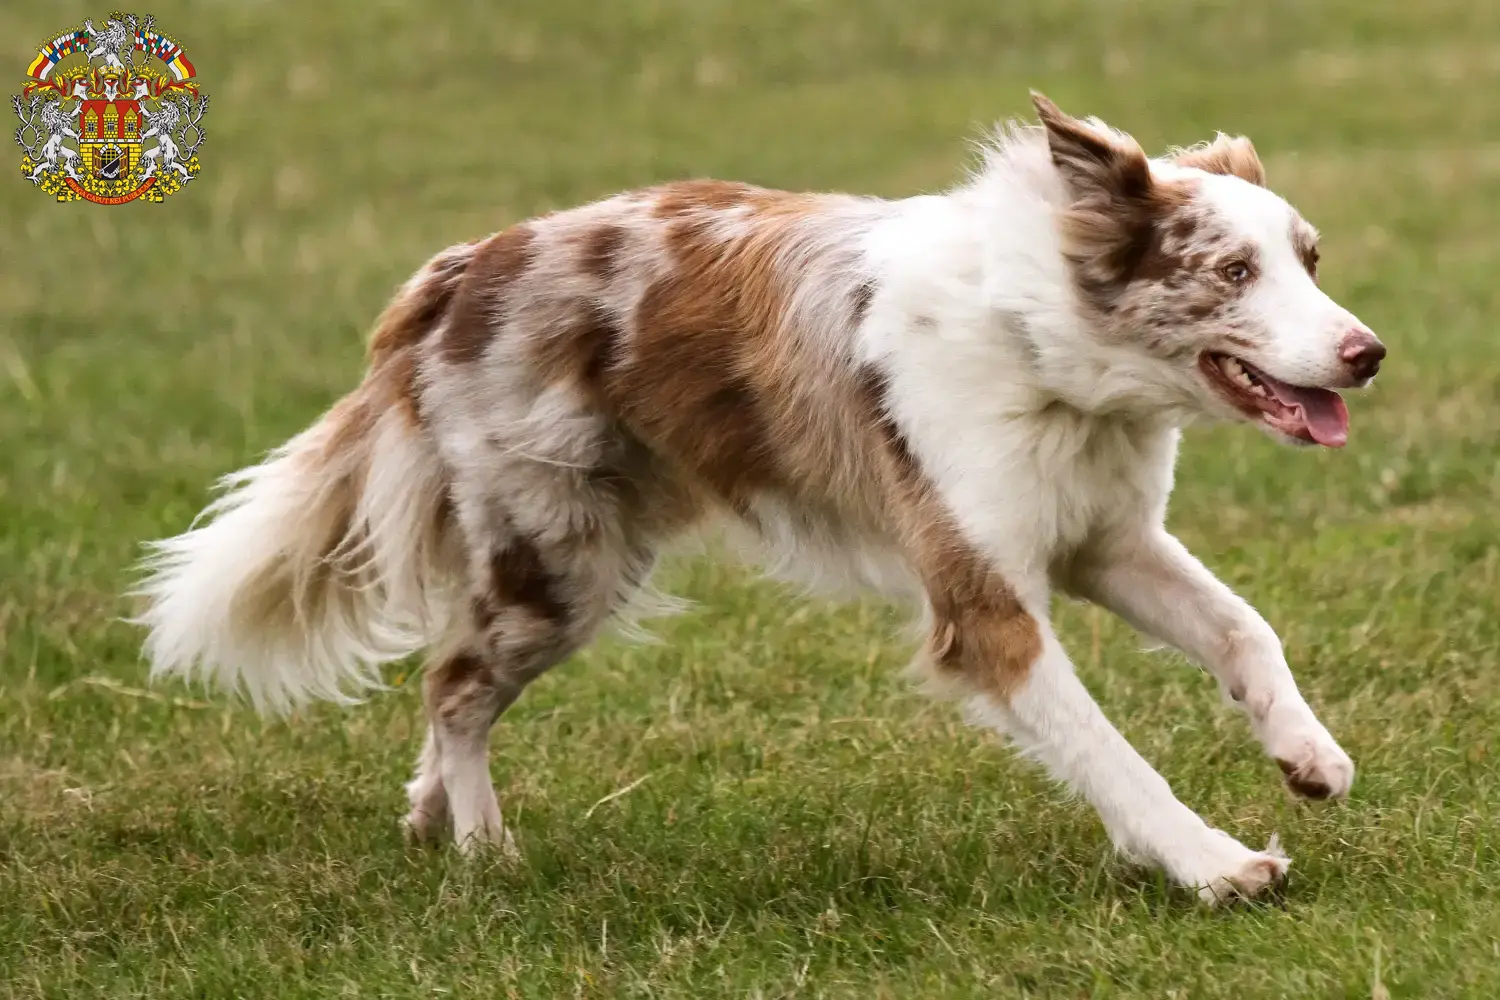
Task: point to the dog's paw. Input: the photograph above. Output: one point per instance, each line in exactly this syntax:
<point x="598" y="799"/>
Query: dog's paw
<point x="1317" y="768"/>
<point x="1257" y="874"/>
<point x="1222" y="869"/>
<point x="1314" y="764"/>
<point x="488" y="841"/>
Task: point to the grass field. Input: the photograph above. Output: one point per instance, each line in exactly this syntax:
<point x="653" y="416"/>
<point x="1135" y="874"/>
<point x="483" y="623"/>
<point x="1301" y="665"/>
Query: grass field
<point x="799" y="822"/>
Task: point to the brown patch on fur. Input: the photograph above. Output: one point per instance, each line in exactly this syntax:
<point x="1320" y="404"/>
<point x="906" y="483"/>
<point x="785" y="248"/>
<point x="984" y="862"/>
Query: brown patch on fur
<point x="519" y="578"/>
<point x="406" y="322"/>
<point x="1232" y="156"/>
<point x="1309" y="788"/>
<point x="861" y="301"/>
<point x="679" y="197"/>
<point x="690" y="395"/>
<point x="460" y="690"/>
<point x="980" y="631"/>
<point x="1092" y="161"/>
<point x="1183" y="227"/>
<point x="579" y="352"/>
<point x="479" y="303"/>
<point x="700" y="379"/>
<point x="871" y="387"/>
<point x="1179" y="279"/>
<point x="700" y="367"/>
<point x="1305" y="241"/>
<point x="1113" y="230"/>
<point x="422" y="301"/>
<point x="1153" y="259"/>
<point x="399" y="375"/>
<point x="1112" y="244"/>
<point x="601" y="251"/>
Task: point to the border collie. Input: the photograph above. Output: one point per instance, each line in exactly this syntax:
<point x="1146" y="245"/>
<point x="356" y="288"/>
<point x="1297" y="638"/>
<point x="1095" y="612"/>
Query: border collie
<point x="971" y="400"/>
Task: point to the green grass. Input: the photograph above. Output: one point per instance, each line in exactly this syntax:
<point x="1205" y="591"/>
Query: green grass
<point x="804" y="824"/>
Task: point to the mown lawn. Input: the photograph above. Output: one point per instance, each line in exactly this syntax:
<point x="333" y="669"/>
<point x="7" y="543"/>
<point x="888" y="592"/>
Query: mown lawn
<point x="800" y="822"/>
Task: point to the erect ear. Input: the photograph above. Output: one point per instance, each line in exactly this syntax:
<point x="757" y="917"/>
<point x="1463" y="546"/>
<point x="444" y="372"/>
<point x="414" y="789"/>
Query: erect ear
<point x="1233" y="156"/>
<point x="1093" y="161"/>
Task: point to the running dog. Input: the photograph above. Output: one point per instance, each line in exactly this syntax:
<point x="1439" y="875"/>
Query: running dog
<point x="972" y="400"/>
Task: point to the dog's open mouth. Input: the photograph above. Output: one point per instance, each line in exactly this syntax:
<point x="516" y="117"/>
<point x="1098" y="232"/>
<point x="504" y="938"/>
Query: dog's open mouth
<point x="1301" y="412"/>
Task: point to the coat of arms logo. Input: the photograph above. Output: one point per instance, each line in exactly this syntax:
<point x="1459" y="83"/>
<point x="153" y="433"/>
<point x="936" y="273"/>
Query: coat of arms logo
<point x="111" y="114"/>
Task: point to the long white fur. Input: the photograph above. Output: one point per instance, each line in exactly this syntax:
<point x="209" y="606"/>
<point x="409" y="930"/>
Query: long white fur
<point x="977" y="327"/>
<point x="308" y="572"/>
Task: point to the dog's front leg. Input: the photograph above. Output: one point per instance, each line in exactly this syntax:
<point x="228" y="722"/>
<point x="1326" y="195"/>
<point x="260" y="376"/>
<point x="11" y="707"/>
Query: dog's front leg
<point x="1020" y="681"/>
<point x="1155" y="584"/>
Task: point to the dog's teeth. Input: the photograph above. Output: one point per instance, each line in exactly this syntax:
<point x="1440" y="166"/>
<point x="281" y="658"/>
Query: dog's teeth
<point x="1237" y="374"/>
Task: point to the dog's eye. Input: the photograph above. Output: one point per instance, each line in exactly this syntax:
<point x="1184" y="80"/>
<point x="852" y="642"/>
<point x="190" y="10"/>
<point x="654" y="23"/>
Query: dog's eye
<point x="1236" y="271"/>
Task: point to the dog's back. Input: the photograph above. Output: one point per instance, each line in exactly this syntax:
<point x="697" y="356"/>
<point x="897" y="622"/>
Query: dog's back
<point x="544" y="410"/>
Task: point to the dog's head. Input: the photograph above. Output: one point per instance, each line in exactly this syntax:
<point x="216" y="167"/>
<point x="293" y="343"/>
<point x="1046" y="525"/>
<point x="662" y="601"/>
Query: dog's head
<point x="1207" y="279"/>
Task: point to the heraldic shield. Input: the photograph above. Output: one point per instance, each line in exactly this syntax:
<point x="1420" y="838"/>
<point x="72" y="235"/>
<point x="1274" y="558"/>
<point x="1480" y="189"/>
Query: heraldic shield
<point x="111" y="115"/>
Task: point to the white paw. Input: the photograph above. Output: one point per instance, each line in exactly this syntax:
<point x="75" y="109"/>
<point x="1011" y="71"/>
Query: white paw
<point x="487" y="839"/>
<point x="1251" y="879"/>
<point x="1223" y="869"/>
<point x="1315" y="766"/>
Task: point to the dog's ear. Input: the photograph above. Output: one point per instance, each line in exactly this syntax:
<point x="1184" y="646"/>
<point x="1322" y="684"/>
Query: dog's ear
<point x="1092" y="161"/>
<point x="1233" y="156"/>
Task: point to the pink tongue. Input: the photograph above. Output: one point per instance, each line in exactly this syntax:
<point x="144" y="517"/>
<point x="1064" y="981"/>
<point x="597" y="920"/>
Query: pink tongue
<point x="1323" y="412"/>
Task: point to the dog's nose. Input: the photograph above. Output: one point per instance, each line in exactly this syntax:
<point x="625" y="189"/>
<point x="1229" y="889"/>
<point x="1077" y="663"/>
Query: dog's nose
<point x="1362" y="351"/>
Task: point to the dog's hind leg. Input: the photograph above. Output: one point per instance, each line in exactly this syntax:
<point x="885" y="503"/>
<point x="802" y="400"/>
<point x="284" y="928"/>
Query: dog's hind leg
<point x="465" y="694"/>
<point x="533" y="606"/>
<point x="552" y="555"/>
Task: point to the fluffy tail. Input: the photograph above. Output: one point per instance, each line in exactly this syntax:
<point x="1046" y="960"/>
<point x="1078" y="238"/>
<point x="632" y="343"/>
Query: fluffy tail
<point x="329" y="558"/>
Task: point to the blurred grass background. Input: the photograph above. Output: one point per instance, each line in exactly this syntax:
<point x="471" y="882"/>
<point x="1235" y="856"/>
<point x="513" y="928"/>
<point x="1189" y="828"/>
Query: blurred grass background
<point x="805" y="825"/>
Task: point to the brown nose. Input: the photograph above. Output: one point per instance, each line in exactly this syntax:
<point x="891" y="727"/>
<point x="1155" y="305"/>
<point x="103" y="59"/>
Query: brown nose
<point x="1362" y="352"/>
